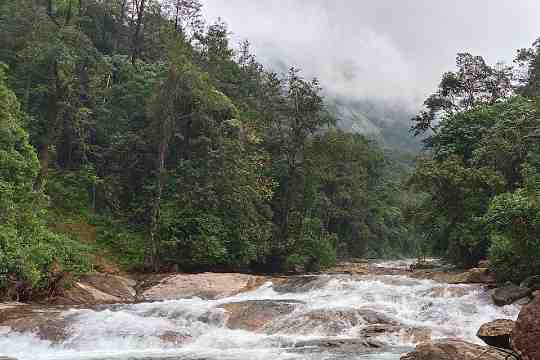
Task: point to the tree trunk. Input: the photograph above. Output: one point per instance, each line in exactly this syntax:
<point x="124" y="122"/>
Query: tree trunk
<point x="51" y="119"/>
<point x="137" y="39"/>
<point x="154" y="250"/>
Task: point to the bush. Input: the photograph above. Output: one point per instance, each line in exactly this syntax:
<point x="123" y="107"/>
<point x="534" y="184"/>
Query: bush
<point x="514" y="220"/>
<point x="32" y="254"/>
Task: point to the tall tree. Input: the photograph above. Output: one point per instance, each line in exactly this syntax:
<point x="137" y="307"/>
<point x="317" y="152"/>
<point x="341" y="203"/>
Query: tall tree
<point x="474" y="83"/>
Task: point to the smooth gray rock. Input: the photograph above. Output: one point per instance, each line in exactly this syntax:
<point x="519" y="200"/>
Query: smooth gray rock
<point x="510" y="293"/>
<point x="532" y="282"/>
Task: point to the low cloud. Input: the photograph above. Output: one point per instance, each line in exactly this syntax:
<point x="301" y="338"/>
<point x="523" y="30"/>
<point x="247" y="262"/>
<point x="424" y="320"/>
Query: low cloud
<point x="389" y="51"/>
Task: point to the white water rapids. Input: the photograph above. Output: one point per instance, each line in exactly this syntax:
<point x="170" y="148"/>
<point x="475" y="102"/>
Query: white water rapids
<point x="136" y="332"/>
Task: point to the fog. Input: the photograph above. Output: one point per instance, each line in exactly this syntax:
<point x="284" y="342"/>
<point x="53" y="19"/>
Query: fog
<point x="391" y="51"/>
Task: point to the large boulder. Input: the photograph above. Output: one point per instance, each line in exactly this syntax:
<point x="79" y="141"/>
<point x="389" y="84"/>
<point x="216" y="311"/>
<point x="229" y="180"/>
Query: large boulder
<point x="532" y="282"/>
<point x="98" y="289"/>
<point x="509" y="293"/>
<point x="254" y="315"/>
<point x="120" y="287"/>
<point x="497" y="333"/>
<point x="205" y="286"/>
<point x="525" y="337"/>
<point x="449" y="349"/>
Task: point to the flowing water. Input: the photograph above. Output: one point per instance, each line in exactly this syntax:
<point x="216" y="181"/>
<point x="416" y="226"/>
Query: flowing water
<point x="143" y="331"/>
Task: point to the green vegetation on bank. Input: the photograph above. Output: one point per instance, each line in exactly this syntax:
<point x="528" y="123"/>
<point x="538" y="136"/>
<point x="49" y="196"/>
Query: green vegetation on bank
<point x="481" y="173"/>
<point x="132" y="133"/>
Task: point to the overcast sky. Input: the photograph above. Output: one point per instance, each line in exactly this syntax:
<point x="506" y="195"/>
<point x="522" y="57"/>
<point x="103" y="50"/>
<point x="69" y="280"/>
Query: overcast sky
<point x="392" y="50"/>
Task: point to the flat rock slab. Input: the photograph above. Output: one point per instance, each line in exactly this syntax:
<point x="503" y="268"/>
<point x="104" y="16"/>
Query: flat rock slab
<point x="448" y="349"/>
<point x="207" y="286"/>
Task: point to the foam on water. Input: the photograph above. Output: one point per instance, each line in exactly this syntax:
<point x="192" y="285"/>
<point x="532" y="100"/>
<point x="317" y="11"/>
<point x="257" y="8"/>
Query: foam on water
<point x="136" y="331"/>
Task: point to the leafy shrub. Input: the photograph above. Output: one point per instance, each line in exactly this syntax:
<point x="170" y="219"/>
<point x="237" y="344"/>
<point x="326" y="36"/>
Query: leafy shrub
<point x="514" y="220"/>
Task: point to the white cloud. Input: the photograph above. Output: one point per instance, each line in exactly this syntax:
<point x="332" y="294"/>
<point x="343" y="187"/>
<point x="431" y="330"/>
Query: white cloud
<point x="389" y="50"/>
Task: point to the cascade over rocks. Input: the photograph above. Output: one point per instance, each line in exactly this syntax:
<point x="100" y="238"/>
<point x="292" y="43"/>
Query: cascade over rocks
<point x="47" y="324"/>
<point x="525" y="337"/>
<point x="497" y="333"/>
<point x="449" y="349"/>
<point x="509" y="293"/>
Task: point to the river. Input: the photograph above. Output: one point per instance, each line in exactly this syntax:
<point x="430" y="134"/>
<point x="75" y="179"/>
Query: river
<point x="332" y="308"/>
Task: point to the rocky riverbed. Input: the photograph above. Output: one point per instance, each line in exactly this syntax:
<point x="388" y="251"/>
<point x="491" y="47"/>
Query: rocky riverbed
<point x="358" y="310"/>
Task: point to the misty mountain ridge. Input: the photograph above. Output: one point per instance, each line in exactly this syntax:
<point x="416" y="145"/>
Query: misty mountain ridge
<point x="388" y="124"/>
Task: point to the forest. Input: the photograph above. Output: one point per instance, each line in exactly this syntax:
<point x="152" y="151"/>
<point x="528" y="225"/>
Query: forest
<point x="135" y="135"/>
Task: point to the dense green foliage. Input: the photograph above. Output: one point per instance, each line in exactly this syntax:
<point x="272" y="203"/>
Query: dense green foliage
<point x="162" y="147"/>
<point x="480" y="174"/>
<point x="28" y="250"/>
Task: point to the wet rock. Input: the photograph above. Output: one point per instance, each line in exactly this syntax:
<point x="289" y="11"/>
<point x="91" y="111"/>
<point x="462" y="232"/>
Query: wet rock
<point x="526" y="333"/>
<point x="446" y="292"/>
<point x="375" y="330"/>
<point x="406" y="335"/>
<point x="532" y="282"/>
<point x="254" y="315"/>
<point x="342" y="346"/>
<point x="329" y="322"/>
<point x="448" y="349"/>
<point x="509" y="294"/>
<point x="175" y="338"/>
<point x="300" y="284"/>
<point x="415" y="335"/>
<point x="206" y="286"/>
<point x="496" y="333"/>
<point x="47" y="324"/>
